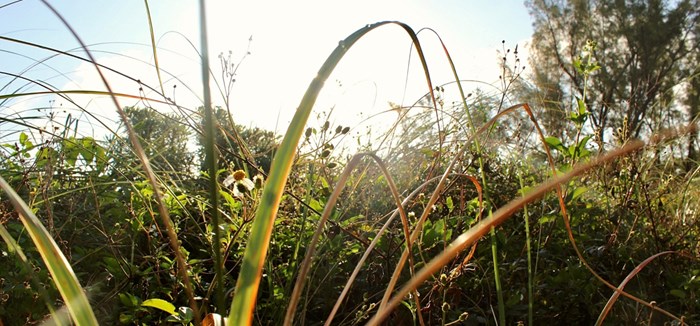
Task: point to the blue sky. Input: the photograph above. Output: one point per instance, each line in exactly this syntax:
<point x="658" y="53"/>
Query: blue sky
<point x="291" y="39"/>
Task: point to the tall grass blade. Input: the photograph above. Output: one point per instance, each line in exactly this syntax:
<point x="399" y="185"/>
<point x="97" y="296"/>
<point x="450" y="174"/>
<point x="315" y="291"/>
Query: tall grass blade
<point x="381" y="231"/>
<point x="433" y="199"/>
<point x="57" y="264"/>
<point x="483" y="227"/>
<point x="150" y="174"/>
<point x="13" y="247"/>
<point x="251" y="270"/>
<point x="153" y="46"/>
<point x="211" y="161"/>
<point x="616" y="294"/>
<point x="328" y="209"/>
<point x="530" y="276"/>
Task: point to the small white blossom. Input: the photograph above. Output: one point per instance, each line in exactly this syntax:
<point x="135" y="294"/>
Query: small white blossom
<point x="241" y="184"/>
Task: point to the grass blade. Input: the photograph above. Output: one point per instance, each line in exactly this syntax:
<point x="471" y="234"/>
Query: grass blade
<point x="616" y="294"/>
<point x="210" y="161"/>
<point x="59" y="267"/>
<point x="153" y="45"/>
<point x="150" y="174"/>
<point x="13" y="246"/>
<point x="530" y="275"/>
<point x="328" y="209"/>
<point x="483" y="227"/>
<point x="254" y="257"/>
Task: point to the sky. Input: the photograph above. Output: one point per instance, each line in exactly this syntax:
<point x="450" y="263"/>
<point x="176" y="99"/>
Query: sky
<point x="280" y="46"/>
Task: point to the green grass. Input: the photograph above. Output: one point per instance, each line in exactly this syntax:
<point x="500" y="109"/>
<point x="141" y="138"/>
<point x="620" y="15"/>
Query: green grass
<point x="179" y="245"/>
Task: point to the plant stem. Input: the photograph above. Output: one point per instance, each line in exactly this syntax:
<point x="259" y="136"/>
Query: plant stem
<point x="530" y="280"/>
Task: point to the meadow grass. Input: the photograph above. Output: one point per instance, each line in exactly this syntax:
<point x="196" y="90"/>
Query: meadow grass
<point x="254" y="258"/>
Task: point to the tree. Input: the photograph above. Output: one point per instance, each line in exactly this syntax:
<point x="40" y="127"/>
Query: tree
<point x="643" y="48"/>
<point x="692" y="101"/>
<point x="164" y="138"/>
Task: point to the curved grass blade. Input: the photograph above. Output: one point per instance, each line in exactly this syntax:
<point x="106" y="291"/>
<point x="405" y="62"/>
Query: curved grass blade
<point x="153" y="45"/>
<point x="13" y="246"/>
<point x="59" y="267"/>
<point x="616" y="294"/>
<point x="381" y="231"/>
<point x="433" y="199"/>
<point x="477" y="146"/>
<point x="248" y="281"/>
<point x="150" y="174"/>
<point x="513" y="206"/>
<point x="82" y="92"/>
<point x="328" y="209"/>
<point x="483" y="227"/>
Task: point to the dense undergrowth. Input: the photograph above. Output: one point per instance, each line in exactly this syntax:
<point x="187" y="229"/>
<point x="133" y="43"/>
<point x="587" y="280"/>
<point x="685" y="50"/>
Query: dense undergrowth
<point x="453" y="163"/>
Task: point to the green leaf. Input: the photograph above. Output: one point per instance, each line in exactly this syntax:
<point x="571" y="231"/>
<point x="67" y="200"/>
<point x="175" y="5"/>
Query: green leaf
<point x="552" y="141"/>
<point x="678" y="293"/>
<point x="23" y="138"/>
<point x="87" y="151"/>
<point x="101" y="160"/>
<point x="556" y="144"/>
<point x="186" y="314"/>
<point x="112" y="265"/>
<point x="547" y="219"/>
<point x="316" y="205"/>
<point x="580" y="151"/>
<point x="578" y="192"/>
<point x="125" y="318"/>
<point x="45" y="155"/>
<point x="578" y="64"/>
<point x="160" y="304"/>
<point x="524" y="190"/>
<point x="581" y="106"/>
<point x="450" y="205"/>
<point x="129" y="300"/>
<point x="580" y="115"/>
<point x="324" y="183"/>
<point x="70" y="151"/>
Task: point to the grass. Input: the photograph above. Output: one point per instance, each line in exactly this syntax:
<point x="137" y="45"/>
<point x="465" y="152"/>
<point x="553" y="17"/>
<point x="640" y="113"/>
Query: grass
<point x="215" y="237"/>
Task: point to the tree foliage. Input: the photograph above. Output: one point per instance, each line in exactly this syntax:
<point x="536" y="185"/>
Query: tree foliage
<point x="164" y="137"/>
<point x="239" y="146"/>
<point x="644" y="48"/>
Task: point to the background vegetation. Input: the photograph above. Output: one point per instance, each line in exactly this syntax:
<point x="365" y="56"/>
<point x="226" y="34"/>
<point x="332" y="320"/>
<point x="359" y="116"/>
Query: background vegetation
<point x="604" y="73"/>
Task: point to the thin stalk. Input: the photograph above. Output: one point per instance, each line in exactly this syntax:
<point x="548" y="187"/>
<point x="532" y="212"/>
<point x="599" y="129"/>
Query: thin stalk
<point x="158" y="196"/>
<point x="480" y="229"/>
<point x="530" y="276"/>
<point x="497" y="275"/>
<point x="153" y="45"/>
<point x="302" y="229"/>
<point x="328" y="209"/>
<point x="484" y="184"/>
<point x="211" y="161"/>
<point x="247" y="286"/>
